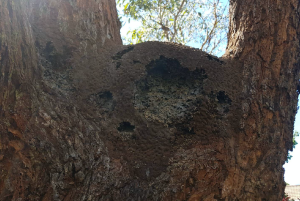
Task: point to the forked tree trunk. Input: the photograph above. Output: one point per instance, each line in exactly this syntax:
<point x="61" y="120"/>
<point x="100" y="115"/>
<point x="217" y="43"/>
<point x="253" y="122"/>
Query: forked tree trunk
<point x="84" y="118"/>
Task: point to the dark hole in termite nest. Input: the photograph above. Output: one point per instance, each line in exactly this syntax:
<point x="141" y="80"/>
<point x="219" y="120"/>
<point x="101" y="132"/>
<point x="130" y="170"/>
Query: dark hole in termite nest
<point x="223" y="98"/>
<point x="126" y="127"/>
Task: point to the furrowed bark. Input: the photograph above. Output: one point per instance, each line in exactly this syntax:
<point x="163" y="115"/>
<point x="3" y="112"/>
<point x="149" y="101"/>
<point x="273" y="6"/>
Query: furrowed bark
<point x="265" y="38"/>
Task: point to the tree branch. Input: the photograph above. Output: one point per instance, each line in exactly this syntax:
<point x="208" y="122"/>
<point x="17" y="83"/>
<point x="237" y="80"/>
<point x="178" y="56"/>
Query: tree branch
<point x="175" y="20"/>
<point x="209" y="35"/>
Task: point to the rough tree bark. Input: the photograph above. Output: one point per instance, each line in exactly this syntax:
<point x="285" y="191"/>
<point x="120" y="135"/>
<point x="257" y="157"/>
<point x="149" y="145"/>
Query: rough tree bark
<point x="84" y="118"/>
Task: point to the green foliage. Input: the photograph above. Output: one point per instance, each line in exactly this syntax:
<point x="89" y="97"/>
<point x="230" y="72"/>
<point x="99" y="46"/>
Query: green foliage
<point x="296" y="134"/>
<point x="180" y="21"/>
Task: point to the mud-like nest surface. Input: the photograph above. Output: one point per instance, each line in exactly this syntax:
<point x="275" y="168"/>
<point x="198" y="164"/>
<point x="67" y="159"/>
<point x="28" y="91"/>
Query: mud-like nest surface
<point x="169" y="92"/>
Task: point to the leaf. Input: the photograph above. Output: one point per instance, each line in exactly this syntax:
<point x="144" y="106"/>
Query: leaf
<point x="133" y="36"/>
<point x="171" y="19"/>
<point x="125" y="7"/>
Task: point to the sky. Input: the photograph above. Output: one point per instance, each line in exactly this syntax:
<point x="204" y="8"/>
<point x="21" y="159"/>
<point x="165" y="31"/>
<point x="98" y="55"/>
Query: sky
<point x="292" y="168"/>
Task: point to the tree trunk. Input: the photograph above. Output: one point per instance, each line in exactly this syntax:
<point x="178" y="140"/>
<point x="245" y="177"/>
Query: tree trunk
<point x="84" y="118"/>
<point x="265" y="38"/>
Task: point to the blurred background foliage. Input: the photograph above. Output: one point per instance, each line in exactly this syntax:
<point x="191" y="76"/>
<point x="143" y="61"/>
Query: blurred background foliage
<point x="198" y="23"/>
